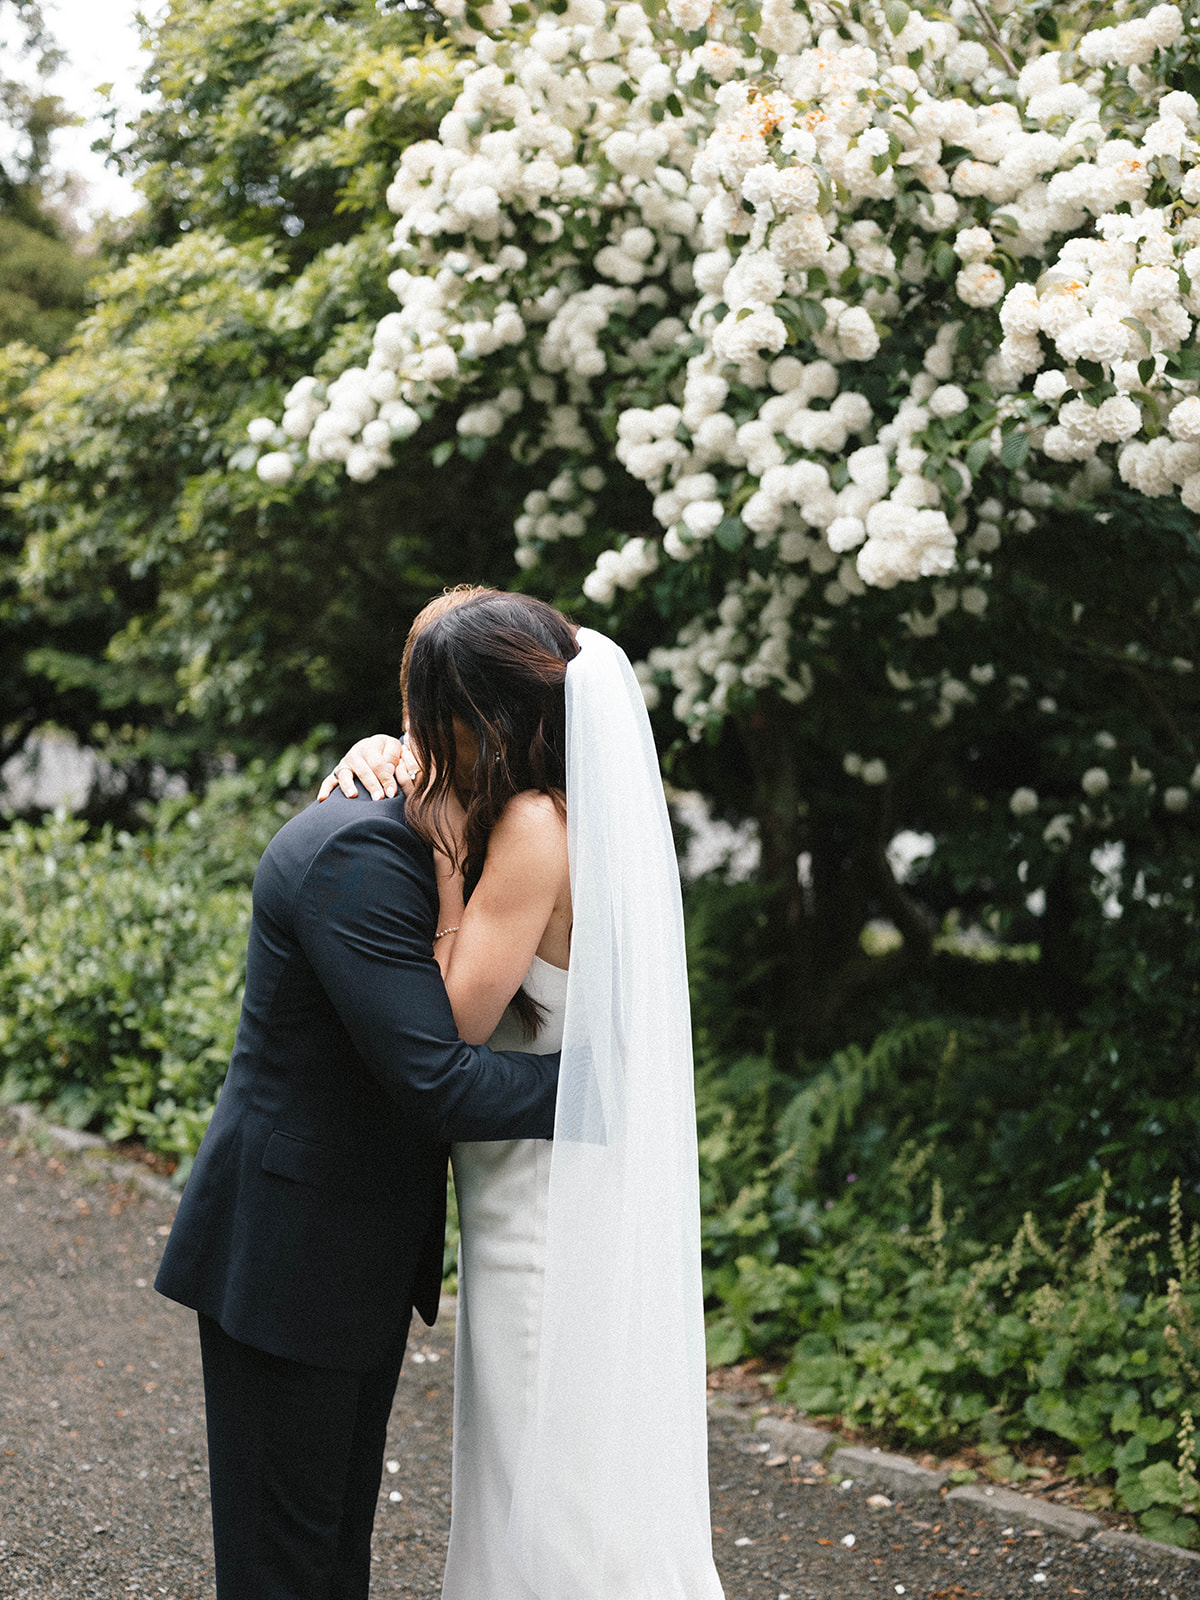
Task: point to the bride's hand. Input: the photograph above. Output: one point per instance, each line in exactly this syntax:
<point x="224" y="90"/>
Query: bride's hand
<point x="382" y="763"/>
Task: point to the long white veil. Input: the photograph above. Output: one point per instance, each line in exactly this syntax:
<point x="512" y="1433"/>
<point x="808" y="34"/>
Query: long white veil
<point x="611" y="1500"/>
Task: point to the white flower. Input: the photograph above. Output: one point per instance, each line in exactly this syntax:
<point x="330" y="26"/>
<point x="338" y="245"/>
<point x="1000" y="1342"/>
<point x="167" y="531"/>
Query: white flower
<point x="260" y="430"/>
<point x="857" y="335"/>
<point x="949" y="401"/>
<point x="979" y="285"/>
<point x="364" y="463"/>
<point x="1094" y="781"/>
<point x="845" y="533"/>
<point x="1021" y="314"/>
<point x="690" y="13"/>
<point x="1023" y="802"/>
<point x="973" y="244"/>
<point x="1176" y="799"/>
<point x="1058" y="830"/>
<point x="874" y="772"/>
<point x="1050" y="386"/>
<point x="275" y="469"/>
<point x="1184" y="420"/>
<point x="1118" y="418"/>
<point x="738" y="338"/>
<point x="756" y="278"/>
<point x="702" y="517"/>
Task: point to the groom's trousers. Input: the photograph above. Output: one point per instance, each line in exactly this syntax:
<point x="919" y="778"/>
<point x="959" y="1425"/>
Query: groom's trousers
<point x="295" y="1460"/>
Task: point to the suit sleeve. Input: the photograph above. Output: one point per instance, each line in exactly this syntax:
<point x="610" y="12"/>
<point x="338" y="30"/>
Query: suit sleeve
<point x="362" y="917"/>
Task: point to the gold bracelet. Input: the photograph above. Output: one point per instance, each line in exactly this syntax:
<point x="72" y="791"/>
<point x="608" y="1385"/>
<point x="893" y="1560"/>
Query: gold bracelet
<point x="442" y="932"/>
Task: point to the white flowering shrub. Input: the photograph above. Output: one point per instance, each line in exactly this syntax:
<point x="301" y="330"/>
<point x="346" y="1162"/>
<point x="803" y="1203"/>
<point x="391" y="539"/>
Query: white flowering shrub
<point x="866" y="301"/>
<point x="847" y="290"/>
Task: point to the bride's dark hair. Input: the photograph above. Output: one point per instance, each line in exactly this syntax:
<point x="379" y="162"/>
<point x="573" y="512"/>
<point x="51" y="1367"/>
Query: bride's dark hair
<point x="497" y="664"/>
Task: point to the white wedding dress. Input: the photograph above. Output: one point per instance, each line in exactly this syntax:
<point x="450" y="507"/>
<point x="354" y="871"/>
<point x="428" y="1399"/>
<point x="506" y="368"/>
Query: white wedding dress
<point x="580" y="1440"/>
<point x="502" y="1190"/>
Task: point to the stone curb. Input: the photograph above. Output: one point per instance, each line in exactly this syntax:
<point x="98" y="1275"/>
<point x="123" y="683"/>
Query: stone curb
<point x="797" y="1438"/>
<point x="1136" y="1544"/>
<point x="898" y="1473"/>
<point x="907" y="1479"/>
<point x="98" y="1155"/>
<point x="1009" y="1506"/>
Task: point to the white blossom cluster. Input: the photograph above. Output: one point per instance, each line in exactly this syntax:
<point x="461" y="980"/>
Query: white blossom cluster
<point x="822" y="275"/>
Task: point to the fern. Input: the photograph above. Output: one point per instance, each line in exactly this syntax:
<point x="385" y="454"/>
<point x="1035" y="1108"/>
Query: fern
<point x="829" y="1102"/>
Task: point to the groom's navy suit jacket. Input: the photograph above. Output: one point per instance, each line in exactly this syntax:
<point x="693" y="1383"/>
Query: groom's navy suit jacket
<point x="314" y="1215"/>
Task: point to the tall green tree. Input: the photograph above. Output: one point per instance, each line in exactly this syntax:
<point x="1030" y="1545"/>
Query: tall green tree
<point x="43" y="273"/>
<point x="42" y="269"/>
<point x="189" y="610"/>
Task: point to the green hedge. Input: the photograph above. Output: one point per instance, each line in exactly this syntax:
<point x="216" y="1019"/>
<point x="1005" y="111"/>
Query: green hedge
<point x="122" y="958"/>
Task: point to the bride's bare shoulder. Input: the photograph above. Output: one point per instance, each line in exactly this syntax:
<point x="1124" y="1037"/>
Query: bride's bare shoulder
<point x="531" y="821"/>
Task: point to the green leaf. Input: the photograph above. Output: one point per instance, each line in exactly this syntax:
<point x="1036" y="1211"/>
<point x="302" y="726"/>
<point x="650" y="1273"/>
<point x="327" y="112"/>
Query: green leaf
<point x="1138" y="327"/>
<point x="723" y="1342"/>
<point x="1146" y="368"/>
<point x="1155" y="1429"/>
<point x="1184" y="363"/>
<point x="473" y="447"/>
<point x="625" y="89"/>
<point x="673" y="105"/>
<point x="1161" y="1525"/>
<point x="1014" y="450"/>
<point x="1091" y="370"/>
<point x="945" y="262"/>
<point x="814" y="314"/>
<point x="1098" y="394"/>
<point x="1129" y="1454"/>
<point x="1151" y="415"/>
<point x="896" y="15"/>
<point x="442" y="452"/>
<point x="1160" y="1484"/>
<point x="730" y="533"/>
<point x="976" y="454"/>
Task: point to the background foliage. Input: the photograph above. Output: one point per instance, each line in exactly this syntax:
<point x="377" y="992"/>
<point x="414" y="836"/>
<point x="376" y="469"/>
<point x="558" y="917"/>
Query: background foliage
<point x="901" y="1056"/>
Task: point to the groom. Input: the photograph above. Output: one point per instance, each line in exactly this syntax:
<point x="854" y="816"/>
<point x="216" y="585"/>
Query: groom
<point x="313" y="1219"/>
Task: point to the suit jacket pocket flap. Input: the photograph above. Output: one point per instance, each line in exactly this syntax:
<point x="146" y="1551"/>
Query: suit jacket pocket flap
<point x="305" y="1162"/>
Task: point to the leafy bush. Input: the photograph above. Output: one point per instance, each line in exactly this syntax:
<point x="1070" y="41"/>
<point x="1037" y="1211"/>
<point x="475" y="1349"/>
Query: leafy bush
<point x="122" y="957"/>
<point x="926" y="1334"/>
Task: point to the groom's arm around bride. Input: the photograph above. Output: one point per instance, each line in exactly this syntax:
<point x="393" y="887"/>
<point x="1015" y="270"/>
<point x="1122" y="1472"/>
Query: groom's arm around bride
<point x="313" y="1219"/>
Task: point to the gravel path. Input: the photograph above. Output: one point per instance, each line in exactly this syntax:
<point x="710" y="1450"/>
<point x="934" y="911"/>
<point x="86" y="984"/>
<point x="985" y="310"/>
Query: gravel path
<point x="103" y="1486"/>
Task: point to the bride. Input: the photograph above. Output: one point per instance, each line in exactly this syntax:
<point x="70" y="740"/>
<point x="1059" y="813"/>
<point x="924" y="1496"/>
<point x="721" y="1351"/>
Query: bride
<point x="580" y="1449"/>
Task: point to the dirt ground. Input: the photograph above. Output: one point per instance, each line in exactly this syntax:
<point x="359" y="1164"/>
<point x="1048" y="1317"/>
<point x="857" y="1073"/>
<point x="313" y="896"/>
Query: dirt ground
<point x="103" y="1485"/>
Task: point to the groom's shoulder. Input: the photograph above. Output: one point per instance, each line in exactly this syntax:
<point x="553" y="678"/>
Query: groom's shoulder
<point x="361" y="824"/>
